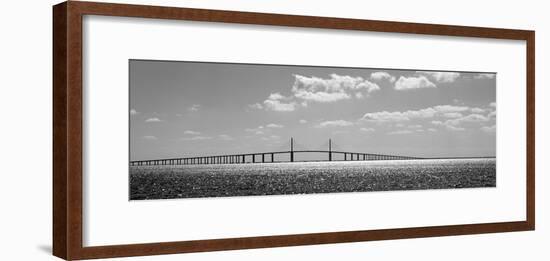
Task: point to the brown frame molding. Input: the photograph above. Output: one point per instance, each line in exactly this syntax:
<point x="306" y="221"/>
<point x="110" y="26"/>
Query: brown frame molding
<point x="67" y="129"/>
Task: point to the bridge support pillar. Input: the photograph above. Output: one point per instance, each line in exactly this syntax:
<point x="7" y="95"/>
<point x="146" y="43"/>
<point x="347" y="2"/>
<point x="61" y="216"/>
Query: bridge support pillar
<point x="272" y="157"/>
<point x="263" y="158"/>
<point x="253" y="158"/>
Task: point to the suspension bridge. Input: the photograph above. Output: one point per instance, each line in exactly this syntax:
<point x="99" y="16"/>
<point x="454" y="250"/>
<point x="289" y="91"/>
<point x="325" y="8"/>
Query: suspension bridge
<point x="272" y="156"/>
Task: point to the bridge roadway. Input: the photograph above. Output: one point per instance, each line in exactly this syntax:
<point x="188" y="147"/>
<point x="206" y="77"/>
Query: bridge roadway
<point x="265" y="157"/>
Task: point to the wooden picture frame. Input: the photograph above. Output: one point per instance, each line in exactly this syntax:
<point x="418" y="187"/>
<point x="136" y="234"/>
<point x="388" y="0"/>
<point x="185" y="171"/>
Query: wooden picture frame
<point x="68" y="145"/>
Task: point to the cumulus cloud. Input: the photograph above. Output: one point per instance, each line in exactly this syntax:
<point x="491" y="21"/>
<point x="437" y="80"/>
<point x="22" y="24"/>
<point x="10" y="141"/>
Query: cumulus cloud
<point x="133" y="112"/>
<point x="303" y="121"/>
<point x="477" y="110"/>
<point x="385" y="116"/>
<point x="190" y="132"/>
<point x="454" y="124"/>
<point x="485" y="76"/>
<point x="276" y="102"/>
<point x="411" y="83"/>
<point x="321" y="96"/>
<point x="432" y="129"/>
<point x="320" y="90"/>
<point x="454" y="128"/>
<point x="379" y="76"/>
<point x="452" y="115"/>
<point x="367" y="129"/>
<point x="335" y="88"/>
<point x="273" y="125"/>
<point x="450" y="108"/>
<point x="468" y="118"/>
<point x="149" y="137"/>
<point x="275" y="105"/>
<point x="257" y="106"/>
<point x="449" y="111"/>
<point x="336" y="123"/>
<point x="493" y="104"/>
<point x="194" y="107"/>
<point x="444" y="77"/>
<point x="154" y="119"/>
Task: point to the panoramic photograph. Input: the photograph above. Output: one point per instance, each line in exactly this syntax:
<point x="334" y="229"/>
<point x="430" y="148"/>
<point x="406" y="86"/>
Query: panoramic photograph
<point x="205" y="129"/>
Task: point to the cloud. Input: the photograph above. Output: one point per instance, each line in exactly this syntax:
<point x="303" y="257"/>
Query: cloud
<point x="198" y="138"/>
<point x="336" y="123"/>
<point x="400" y="132"/>
<point x="449" y="111"/>
<point x="468" y="118"/>
<point x="417" y="126"/>
<point x="450" y="108"/>
<point x="303" y="121"/>
<point x="133" y="112"/>
<point x="493" y="104"/>
<point x="274" y="103"/>
<point x="194" y="107"/>
<point x="321" y="96"/>
<point x="190" y="132"/>
<point x="447" y="126"/>
<point x="276" y="96"/>
<point x="452" y="115"/>
<point x="314" y="89"/>
<point x="256" y="106"/>
<point x="149" y="137"/>
<point x="367" y="129"/>
<point x="335" y="88"/>
<point x="485" y="76"/>
<point x="477" y="110"/>
<point x="225" y="137"/>
<point x="385" y="116"/>
<point x="454" y="128"/>
<point x="454" y="124"/>
<point x="273" y="125"/>
<point x="379" y="76"/>
<point x="445" y="77"/>
<point x="258" y="130"/>
<point x="432" y="129"/>
<point x="154" y="119"/>
<point x="489" y="129"/>
<point x="411" y="83"/>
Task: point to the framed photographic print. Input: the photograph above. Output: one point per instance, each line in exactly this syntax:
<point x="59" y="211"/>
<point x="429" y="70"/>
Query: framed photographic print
<point x="218" y="130"/>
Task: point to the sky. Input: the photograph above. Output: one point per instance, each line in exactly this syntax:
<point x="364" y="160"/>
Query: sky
<point x="184" y="109"/>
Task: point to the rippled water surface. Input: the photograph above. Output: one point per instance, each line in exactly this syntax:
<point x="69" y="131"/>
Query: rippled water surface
<point x="193" y="181"/>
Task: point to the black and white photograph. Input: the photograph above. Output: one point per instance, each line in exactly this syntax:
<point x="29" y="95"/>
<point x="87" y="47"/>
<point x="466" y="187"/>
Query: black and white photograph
<point x="212" y="129"/>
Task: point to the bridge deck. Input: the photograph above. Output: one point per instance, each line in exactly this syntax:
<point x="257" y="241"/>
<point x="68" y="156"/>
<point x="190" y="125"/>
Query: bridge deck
<point x="265" y="157"/>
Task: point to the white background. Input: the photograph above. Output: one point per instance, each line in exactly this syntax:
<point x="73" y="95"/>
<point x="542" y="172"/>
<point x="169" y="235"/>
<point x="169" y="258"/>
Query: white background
<point x="26" y="131"/>
<point x="110" y="219"/>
